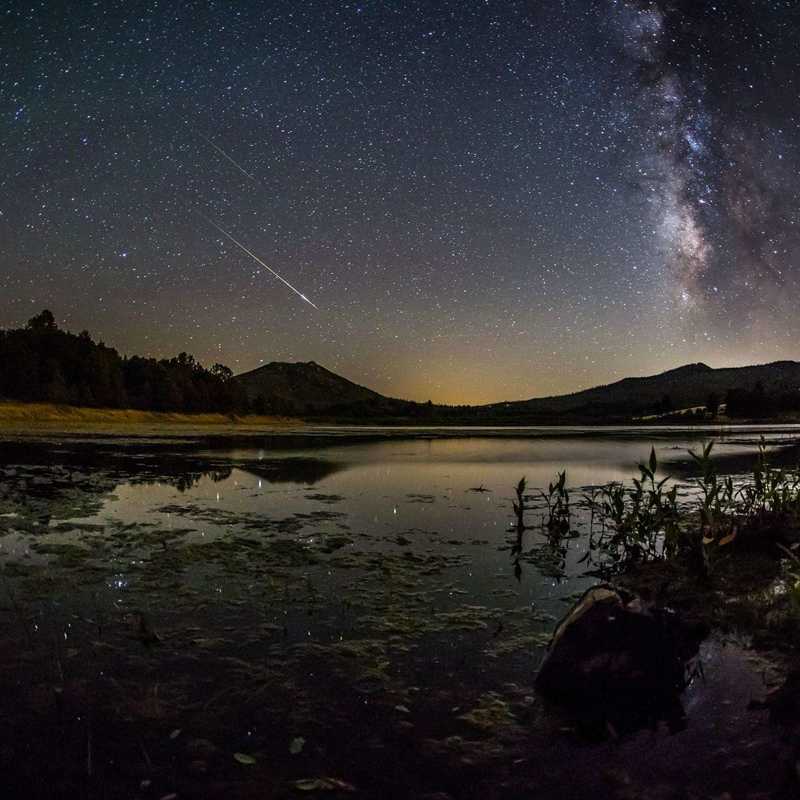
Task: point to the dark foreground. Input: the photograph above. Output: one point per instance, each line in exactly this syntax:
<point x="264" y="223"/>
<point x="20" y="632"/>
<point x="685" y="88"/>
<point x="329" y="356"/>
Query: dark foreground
<point x="197" y="621"/>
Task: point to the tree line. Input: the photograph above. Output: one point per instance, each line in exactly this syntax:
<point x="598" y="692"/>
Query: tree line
<point x="41" y="362"/>
<point x="759" y="403"/>
<point x="754" y="402"/>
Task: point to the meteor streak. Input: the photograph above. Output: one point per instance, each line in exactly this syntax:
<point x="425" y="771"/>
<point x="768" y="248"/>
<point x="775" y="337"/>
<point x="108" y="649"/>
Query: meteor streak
<point x="239" y="244"/>
<point x="223" y="153"/>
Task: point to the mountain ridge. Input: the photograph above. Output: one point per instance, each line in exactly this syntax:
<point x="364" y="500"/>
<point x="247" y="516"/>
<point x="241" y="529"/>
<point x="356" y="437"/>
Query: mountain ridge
<point x="695" y="367"/>
<point x="309" y="388"/>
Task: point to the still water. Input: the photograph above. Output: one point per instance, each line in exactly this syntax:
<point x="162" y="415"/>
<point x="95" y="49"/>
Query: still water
<point x="353" y="589"/>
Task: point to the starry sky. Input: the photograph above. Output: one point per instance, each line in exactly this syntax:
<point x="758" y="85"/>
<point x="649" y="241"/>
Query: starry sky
<point x="465" y="200"/>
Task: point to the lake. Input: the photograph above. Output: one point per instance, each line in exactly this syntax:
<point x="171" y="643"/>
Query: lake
<point x="229" y="615"/>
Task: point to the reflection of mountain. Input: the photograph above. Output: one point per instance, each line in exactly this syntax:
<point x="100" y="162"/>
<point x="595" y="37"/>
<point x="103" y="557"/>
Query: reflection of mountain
<point x="291" y="470"/>
<point x="183" y="475"/>
<point x="179" y="463"/>
<point x="185" y="480"/>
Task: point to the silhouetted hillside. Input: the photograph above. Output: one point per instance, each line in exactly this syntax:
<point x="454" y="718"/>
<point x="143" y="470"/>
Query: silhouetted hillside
<point x="304" y="388"/>
<point x="684" y="387"/>
<point x="750" y="392"/>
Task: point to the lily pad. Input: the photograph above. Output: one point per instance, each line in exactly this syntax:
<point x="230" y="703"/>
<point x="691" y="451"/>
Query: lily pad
<point x="314" y="785"/>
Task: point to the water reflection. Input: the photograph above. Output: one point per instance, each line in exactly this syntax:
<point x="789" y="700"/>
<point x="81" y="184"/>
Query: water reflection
<point x="385" y="592"/>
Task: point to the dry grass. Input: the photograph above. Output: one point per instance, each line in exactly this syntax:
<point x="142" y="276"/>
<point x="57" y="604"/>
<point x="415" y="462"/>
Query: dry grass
<point x="17" y="414"/>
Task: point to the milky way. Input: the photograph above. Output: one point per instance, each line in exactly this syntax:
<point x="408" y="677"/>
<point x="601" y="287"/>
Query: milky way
<point x="718" y="84"/>
<point x="485" y="200"/>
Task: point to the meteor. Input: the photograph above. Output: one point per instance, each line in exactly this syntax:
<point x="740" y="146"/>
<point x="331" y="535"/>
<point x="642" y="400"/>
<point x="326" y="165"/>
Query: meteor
<point x="223" y="153"/>
<point x="239" y="244"/>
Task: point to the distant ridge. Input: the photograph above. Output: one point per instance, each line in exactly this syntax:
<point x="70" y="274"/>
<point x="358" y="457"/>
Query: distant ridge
<point x="308" y="388"/>
<point x="686" y="386"/>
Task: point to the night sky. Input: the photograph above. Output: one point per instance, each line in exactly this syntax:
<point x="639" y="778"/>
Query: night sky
<point x="484" y="200"/>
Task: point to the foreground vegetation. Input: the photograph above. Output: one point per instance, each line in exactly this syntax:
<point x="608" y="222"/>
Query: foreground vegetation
<point x="645" y="521"/>
<point x="726" y="550"/>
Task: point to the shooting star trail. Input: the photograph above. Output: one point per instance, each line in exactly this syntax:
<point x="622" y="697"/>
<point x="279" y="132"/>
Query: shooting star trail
<point x="239" y="244"/>
<point x="223" y="153"/>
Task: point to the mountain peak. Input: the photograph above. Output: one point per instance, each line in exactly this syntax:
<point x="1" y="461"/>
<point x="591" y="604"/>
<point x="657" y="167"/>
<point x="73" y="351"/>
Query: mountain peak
<point x="303" y="387"/>
<point x="697" y="367"/>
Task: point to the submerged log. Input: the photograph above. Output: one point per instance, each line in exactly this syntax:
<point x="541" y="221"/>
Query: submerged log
<point x="615" y="660"/>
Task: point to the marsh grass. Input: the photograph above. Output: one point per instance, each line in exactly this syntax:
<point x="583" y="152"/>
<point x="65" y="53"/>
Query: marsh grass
<point x="19" y="414"/>
<point x="558" y="508"/>
<point x="644" y="520"/>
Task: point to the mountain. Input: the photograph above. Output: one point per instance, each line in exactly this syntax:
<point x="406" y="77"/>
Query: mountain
<point x="309" y="389"/>
<point x="686" y="387"/>
<point x="302" y="388"/>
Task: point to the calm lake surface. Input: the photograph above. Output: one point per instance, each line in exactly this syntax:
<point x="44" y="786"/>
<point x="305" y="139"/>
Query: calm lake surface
<point x="351" y="588"/>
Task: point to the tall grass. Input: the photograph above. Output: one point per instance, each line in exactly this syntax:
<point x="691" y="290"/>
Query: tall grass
<point x="644" y="520"/>
<point x="558" y="509"/>
<point x="14" y="413"/>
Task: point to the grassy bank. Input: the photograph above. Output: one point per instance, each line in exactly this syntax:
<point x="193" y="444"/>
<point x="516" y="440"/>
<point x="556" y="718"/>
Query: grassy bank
<point x="17" y="414"/>
<point x="728" y="553"/>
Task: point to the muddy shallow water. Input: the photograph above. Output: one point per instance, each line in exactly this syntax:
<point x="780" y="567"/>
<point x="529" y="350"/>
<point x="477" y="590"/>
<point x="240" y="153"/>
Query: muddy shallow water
<point x="219" y="616"/>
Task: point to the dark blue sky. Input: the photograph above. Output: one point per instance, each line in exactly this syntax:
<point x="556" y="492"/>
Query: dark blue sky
<point x="484" y="200"/>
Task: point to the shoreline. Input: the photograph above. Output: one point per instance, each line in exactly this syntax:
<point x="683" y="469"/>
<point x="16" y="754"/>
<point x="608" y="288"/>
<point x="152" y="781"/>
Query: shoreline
<point x="17" y="416"/>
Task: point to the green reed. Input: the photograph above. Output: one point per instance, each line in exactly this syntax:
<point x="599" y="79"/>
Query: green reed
<point x="644" y="520"/>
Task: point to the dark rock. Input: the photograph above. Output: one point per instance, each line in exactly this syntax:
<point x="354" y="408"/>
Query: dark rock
<point x="199" y="750"/>
<point x="619" y="661"/>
